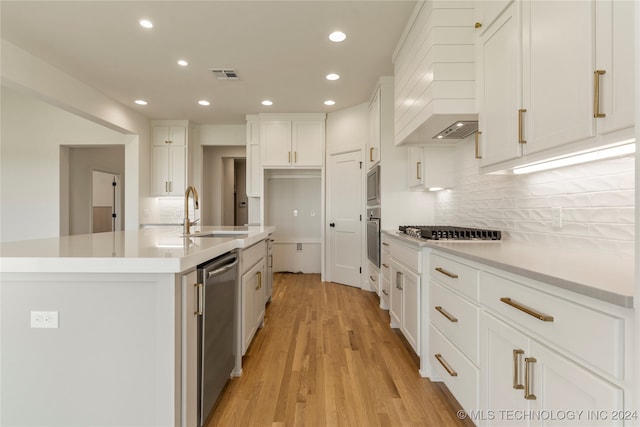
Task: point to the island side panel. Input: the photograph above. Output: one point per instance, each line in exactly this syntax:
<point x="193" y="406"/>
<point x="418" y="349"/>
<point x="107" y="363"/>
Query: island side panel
<point x="112" y="361"/>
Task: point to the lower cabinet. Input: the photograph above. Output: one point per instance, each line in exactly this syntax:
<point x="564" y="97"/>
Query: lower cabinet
<point x="253" y="291"/>
<point x="189" y="284"/>
<point x="404" y="309"/>
<point x="522" y="376"/>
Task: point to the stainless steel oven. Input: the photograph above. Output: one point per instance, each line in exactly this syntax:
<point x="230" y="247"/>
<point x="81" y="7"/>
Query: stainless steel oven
<point x="373" y="235"/>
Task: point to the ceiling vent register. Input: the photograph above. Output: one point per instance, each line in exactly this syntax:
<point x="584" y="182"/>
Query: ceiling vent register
<point x="224" y="73"/>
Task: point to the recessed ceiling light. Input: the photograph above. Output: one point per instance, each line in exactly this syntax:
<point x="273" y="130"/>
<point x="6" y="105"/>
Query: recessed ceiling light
<point x="332" y="76"/>
<point x="337" y="36"/>
<point x="146" y="23"/>
<point x="182" y="62"/>
<point x="267" y="102"/>
<point x="140" y="102"/>
<point x="329" y="102"/>
<point x="204" y="103"/>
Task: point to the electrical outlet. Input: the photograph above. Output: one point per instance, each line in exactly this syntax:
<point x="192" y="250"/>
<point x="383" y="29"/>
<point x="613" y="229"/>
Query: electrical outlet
<point x="556" y="217"/>
<point x="44" y="319"/>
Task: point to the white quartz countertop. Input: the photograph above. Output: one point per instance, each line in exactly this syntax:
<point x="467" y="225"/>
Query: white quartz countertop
<point x="607" y="277"/>
<point x="153" y="250"/>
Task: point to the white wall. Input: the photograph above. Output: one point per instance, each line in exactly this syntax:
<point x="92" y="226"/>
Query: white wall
<point x="27" y="74"/>
<point x="597" y="201"/>
<point x="30" y="188"/>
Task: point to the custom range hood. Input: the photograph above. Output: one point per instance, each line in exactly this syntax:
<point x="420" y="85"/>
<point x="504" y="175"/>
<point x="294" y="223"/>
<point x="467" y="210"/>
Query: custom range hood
<point x="435" y="74"/>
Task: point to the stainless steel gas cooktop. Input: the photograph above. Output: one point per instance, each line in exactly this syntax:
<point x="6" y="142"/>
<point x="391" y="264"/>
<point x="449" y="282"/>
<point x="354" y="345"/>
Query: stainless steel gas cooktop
<point x="438" y="232"/>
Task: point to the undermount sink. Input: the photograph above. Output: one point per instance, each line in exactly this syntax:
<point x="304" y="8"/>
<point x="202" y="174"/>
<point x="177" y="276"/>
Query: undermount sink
<point x="218" y="233"/>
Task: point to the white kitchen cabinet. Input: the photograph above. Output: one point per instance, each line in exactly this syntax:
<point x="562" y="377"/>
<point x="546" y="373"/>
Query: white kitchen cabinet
<point x="385" y="273"/>
<point x="488" y="11"/>
<point x="253" y="291"/>
<point x="254" y="166"/>
<point x="430" y="168"/>
<point x="189" y="349"/>
<point x="169" y="160"/>
<point x="404" y="307"/>
<point x="292" y="142"/>
<point x="520" y="374"/>
<point x="375" y="132"/>
<point x="538" y="80"/>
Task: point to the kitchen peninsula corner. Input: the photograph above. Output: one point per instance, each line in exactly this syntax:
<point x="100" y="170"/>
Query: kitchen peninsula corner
<point x="117" y="357"/>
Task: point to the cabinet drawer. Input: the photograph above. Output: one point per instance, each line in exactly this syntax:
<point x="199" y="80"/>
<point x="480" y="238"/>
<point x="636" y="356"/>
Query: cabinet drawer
<point x="384" y="293"/>
<point x="456" y="318"/>
<point x="408" y="257"/>
<point x="384" y="266"/>
<point x="458" y="276"/>
<point x="457" y="372"/>
<point x="250" y="256"/>
<point x="590" y="335"/>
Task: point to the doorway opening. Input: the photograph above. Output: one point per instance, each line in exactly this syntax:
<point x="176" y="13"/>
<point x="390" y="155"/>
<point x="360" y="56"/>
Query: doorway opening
<point x="105" y="190"/>
<point x="224" y="193"/>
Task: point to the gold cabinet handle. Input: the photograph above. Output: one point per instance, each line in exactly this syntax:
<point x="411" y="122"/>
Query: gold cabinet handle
<point x="530" y="312"/>
<point x="446" y="273"/>
<point x="478" y="133"/>
<point x="199" y="300"/>
<point x="385" y="244"/>
<point x="259" y="273"/>
<point x="445" y="365"/>
<point x="516" y="362"/>
<point x="295" y="157"/>
<point x="449" y="317"/>
<point x="418" y="170"/>
<point x="384" y="291"/>
<point x="399" y="280"/>
<point x="521" y="139"/>
<point x="385" y="265"/>
<point x="371" y="154"/>
<point x="289" y="157"/>
<point x="372" y="279"/>
<point x="596" y="94"/>
<point x="528" y="367"/>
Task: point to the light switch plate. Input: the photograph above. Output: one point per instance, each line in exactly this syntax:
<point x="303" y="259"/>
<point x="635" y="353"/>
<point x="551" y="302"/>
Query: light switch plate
<point x="44" y="319"/>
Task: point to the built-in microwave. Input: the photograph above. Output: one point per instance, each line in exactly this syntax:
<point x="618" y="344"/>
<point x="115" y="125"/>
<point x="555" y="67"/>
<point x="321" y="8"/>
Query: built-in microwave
<point x="373" y="187"/>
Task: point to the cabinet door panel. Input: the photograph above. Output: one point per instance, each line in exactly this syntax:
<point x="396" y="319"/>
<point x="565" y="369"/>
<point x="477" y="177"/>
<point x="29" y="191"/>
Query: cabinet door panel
<point x="275" y="142"/>
<point x="498" y="342"/>
<point x="249" y="284"/>
<point x="308" y="147"/>
<point x="160" y="170"/>
<point x="560" y="385"/>
<point x="500" y="88"/>
<point x="395" y="297"/>
<point x="415" y="167"/>
<point x="411" y="309"/>
<point x="558" y="64"/>
<point x="177" y="162"/>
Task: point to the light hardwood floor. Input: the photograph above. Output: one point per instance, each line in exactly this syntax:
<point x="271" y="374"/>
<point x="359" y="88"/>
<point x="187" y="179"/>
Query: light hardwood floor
<point x="327" y="357"/>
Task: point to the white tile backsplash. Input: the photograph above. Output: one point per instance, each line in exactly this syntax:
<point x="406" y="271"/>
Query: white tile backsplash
<point x="597" y="201"/>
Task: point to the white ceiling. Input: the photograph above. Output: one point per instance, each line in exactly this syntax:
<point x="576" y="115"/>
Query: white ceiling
<point x="280" y="50"/>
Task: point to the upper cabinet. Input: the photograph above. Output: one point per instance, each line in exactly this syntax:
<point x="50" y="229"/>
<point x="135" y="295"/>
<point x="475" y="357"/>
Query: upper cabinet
<point x="375" y="135"/>
<point x="169" y="157"/>
<point x="430" y="168"/>
<point x="254" y="168"/>
<point x="554" y="78"/>
<point x="434" y="67"/>
<point x="292" y="140"/>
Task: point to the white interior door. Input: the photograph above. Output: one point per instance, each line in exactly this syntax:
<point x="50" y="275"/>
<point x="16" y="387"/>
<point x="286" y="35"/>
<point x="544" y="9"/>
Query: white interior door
<point x="345" y="222"/>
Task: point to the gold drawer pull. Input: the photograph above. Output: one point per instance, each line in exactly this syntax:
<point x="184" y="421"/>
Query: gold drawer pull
<point x="384" y="291"/>
<point x="385" y="244"/>
<point x="445" y="365"/>
<point x="528" y="363"/>
<point x="447" y="315"/>
<point x="527" y="310"/>
<point x="372" y="279"/>
<point x="199" y="299"/>
<point x="259" y="273"/>
<point x="371" y="154"/>
<point x="446" y="273"/>
<point x="385" y="265"/>
<point x="516" y="363"/>
<point x="478" y="133"/>
<point x="418" y="170"/>
<point x="596" y="94"/>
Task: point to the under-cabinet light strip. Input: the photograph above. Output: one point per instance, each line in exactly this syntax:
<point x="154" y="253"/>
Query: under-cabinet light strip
<point x="621" y="149"/>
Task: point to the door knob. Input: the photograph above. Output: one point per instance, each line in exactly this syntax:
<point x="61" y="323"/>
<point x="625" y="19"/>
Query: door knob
<point x="333" y="224"/>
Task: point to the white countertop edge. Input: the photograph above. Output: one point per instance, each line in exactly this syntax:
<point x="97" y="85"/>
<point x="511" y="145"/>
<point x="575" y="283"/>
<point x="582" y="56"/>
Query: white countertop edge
<point x="144" y="265"/>
<point x="596" y="292"/>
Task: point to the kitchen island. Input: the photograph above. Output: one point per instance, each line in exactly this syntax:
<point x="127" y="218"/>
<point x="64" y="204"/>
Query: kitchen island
<point x="116" y="355"/>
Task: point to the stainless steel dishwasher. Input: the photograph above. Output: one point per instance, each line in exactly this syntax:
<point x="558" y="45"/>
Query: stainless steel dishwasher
<point x="216" y="329"/>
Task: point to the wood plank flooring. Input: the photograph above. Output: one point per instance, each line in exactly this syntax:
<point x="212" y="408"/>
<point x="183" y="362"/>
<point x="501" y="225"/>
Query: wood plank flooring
<point x="327" y="357"/>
